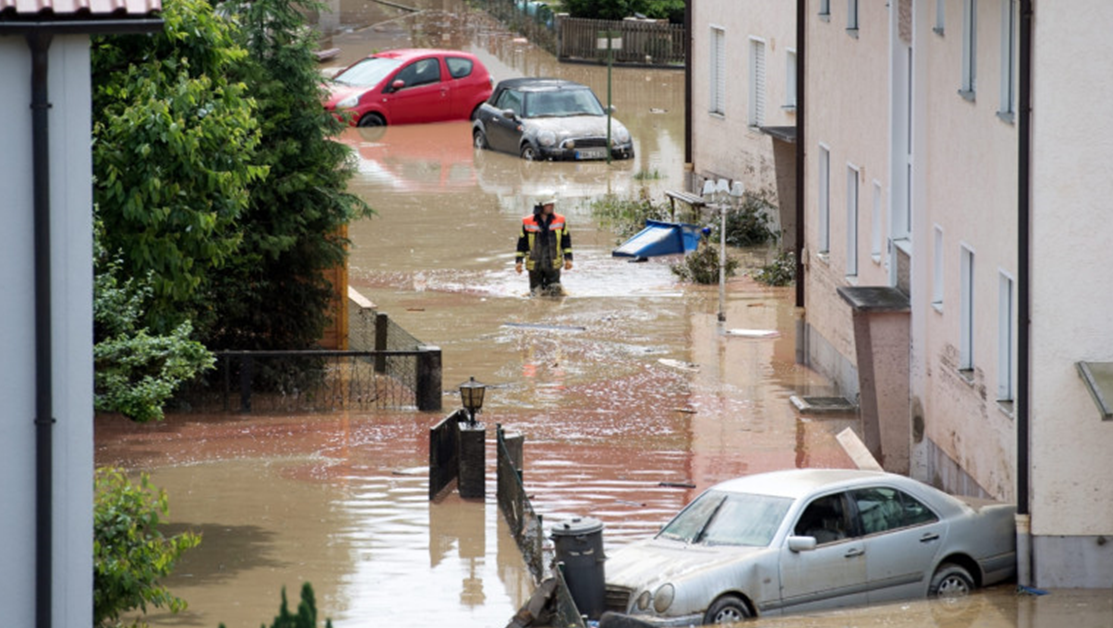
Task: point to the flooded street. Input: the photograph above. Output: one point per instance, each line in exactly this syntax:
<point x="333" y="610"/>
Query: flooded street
<point x="630" y="398"/>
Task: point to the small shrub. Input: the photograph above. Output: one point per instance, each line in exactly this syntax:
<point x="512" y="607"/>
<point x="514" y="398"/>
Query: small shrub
<point x="702" y="266"/>
<point x="647" y="175"/>
<point x="130" y="554"/>
<point x="307" y="612"/>
<point x="627" y="216"/>
<point x="749" y="225"/>
<point x="780" y="272"/>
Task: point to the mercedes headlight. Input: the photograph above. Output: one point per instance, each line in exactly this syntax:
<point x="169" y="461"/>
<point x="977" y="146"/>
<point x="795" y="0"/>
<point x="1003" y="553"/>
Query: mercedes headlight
<point x="663" y="598"/>
<point x="546" y="138"/>
<point x="349" y="102"/>
<point x="643" y="600"/>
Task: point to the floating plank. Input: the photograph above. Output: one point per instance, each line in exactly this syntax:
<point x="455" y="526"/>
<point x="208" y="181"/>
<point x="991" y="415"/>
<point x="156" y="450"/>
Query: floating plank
<point x="754" y="333"/>
<point x="856" y="449"/>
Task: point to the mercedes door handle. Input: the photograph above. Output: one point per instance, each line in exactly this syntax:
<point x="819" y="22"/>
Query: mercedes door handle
<point x="854" y="552"/>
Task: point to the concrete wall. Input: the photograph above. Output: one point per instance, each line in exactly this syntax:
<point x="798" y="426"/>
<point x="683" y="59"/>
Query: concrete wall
<point x="71" y="224"/>
<point x="847" y="110"/>
<point x="1072" y="122"/>
<point x="724" y="145"/>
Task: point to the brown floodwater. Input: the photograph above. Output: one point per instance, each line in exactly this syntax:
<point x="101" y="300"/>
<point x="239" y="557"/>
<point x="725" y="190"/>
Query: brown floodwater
<point x="629" y="396"/>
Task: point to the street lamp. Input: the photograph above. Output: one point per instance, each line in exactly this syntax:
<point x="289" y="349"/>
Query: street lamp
<point x="471" y="395"/>
<point x="719" y="194"/>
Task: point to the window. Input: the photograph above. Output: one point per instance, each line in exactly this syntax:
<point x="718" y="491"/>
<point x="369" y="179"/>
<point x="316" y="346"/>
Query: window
<point x="881" y="509"/>
<point x="966" y="312"/>
<point x="420" y="72"/>
<point x="790" y="80"/>
<point x="511" y="100"/>
<point x="852" y="16"/>
<point x="825" y="519"/>
<point x="851" y="221"/>
<point x="757" y="83"/>
<point x="1005" y="354"/>
<point x="824" y="200"/>
<point x="937" y="270"/>
<point x="718" y="70"/>
<point x="875" y="226"/>
<point x="969" y="48"/>
<point x="939" y="16"/>
<point x="457" y="67"/>
<point x="824" y="9"/>
<point x="1008" y="59"/>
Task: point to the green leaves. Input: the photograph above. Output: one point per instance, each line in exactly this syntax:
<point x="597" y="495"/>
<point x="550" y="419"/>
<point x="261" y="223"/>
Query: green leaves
<point x="130" y="554"/>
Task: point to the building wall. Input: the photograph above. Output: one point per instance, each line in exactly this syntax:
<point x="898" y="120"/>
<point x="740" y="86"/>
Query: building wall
<point x="71" y="276"/>
<point x="724" y="145"/>
<point x="847" y="113"/>
<point x="965" y="155"/>
<point x="1071" y="496"/>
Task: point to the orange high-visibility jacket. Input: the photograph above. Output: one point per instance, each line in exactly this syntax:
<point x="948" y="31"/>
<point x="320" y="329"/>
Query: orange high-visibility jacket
<point x="533" y="230"/>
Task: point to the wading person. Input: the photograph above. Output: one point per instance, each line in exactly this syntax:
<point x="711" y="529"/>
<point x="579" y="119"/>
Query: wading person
<point x="544" y="247"/>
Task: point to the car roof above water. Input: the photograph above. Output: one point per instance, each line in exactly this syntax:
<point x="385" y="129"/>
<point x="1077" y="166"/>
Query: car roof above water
<point x="796" y="483"/>
<point x="531" y="84"/>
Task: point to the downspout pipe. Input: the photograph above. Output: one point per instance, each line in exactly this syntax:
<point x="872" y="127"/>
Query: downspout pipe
<point x="1023" y="354"/>
<point x="688" y="85"/>
<point x="39" y="42"/>
<point x="801" y="62"/>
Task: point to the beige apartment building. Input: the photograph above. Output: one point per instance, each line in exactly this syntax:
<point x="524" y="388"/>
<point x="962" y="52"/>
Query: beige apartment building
<point x="954" y="158"/>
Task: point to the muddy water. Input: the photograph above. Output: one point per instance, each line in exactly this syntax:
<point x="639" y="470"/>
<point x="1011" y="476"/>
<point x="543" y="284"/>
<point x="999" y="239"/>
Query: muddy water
<point x="630" y="397"/>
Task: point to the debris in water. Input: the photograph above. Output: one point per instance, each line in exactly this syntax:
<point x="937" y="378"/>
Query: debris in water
<point x="686" y="410"/>
<point x="543" y="326"/>
<point x="676" y="484"/>
<point x="679" y="364"/>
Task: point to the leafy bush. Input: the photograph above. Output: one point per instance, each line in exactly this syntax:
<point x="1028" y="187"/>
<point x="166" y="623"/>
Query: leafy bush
<point x="749" y="226"/>
<point x="780" y="272"/>
<point x="702" y="266"/>
<point x="130" y="554"/>
<point x="307" y="611"/>
<point x="627" y="216"/>
<point x="673" y="10"/>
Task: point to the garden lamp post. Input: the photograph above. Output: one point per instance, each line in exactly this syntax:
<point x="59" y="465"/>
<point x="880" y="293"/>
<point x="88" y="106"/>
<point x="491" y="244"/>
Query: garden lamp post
<point x="471" y="395"/>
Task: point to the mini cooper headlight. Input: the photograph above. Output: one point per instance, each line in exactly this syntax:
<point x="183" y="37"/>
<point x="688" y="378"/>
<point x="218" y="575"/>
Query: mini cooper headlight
<point x="663" y="598"/>
<point x="348" y="103"/>
<point x="643" y="600"/>
<point x="546" y="138"/>
<point x="621" y="135"/>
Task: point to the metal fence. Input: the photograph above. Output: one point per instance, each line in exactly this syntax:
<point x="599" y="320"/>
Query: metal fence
<point x="444" y="453"/>
<point x="649" y="43"/>
<point x="526" y="527"/>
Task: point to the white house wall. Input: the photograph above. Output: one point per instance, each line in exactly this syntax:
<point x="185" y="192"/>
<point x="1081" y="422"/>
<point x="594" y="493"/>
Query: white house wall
<point x="966" y="185"/>
<point x="724" y="145"/>
<point x="847" y="114"/>
<point x="1072" y="123"/>
<point x="71" y="275"/>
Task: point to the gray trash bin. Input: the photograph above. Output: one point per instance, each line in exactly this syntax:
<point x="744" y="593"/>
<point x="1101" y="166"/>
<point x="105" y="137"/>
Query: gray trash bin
<point x="579" y="546"/>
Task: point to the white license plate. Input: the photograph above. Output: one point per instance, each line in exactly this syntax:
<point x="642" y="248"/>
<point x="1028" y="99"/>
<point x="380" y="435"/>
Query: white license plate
<point x="591" y="153"/>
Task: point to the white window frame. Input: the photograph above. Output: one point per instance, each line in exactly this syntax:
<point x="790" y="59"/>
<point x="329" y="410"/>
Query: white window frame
<point x="1006" y="348"/>
<point x="824" y="198"/>
<point x="852" y="177"/>
<point x="758" y="83"/>
<point x="940" y="16"/>
<point x="790" y="80"/>
<point x="718" y="83"/>
<point x="852" y="17"/>
<point x="1010" y="19"/>
<point x="875" y="234"/>
<point x="966" y="309"/>
<point x="937" y="269"/>
<point x="969" y="49"/>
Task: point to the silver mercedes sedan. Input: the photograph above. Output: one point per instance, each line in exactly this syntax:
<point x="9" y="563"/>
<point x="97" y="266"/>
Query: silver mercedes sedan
<point x="810" y="539"/>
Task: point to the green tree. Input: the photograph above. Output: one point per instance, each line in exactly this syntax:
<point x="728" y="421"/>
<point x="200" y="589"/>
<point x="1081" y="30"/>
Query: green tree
<point x="135" y="372"/>
<point x="130" y="554"/>
<point x="672" y="10"/>
<point x="275" y="294"/>
<point x="174" y="142"/>
<point x="307" y="612"/>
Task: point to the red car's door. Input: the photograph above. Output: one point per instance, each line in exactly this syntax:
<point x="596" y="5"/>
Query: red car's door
<point x="417" y="94"/>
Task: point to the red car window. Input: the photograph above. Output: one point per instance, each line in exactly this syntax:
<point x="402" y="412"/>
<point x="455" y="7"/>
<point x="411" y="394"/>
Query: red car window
<point x="457" y="67"/>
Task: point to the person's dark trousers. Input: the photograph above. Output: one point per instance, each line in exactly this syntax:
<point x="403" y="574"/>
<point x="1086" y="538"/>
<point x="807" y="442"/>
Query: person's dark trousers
<point x="543" y="278"/>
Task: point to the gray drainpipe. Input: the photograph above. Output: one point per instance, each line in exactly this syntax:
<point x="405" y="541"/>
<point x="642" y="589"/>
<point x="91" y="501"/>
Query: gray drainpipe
<point x="39" y="43"/>
<point x="1024" y="209"/>
<point x="801" y="152"/>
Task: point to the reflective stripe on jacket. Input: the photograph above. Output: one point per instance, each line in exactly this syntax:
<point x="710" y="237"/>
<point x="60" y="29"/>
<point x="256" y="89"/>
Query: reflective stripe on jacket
<point x="535" y="234"/>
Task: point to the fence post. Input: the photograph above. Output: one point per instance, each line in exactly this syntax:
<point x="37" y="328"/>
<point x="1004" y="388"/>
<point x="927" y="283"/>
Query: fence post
<point x="428" y="385"/>
<point x="382" y="325"/>
<point x="247" y="365"/>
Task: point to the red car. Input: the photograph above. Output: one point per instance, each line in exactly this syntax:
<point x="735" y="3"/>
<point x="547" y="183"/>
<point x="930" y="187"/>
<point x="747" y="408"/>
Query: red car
<point x="410" y="86"/>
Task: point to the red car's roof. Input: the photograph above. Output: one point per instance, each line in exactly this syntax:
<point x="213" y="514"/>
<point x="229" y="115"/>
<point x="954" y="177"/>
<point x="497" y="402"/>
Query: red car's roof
<point x="411" y="53"/>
